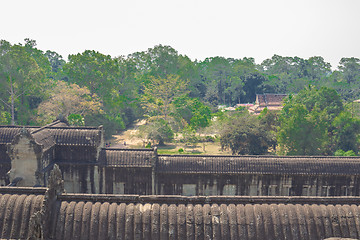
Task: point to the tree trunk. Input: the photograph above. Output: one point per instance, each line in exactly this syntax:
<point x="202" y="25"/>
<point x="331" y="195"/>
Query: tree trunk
<point x="12" y="102"/>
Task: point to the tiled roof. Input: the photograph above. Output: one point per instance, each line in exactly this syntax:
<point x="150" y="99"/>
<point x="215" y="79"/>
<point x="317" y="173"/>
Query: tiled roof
<point x="271" y="99"/>
<point x="78" y="217"/>
<point x="44" y="137"/>
<point x="259" y="164"/>
<point x="103" y="216"/>
<point x="7" y="133"/>
<point x="126" y="157"/>
<point x="55" y="133"/>
<point x="77" y="136"/>
<point x="16" y="209"/>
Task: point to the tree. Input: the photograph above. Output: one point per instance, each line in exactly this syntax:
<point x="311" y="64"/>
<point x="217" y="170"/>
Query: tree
<point x="102" y="75"/>
<point x="56" y="63"/>
<point x="38" y="55"/>
<point x="94" y="70"/>
<point x="301" y="132"/>
<point x="350" y="68"/>
<point x="160" y="93"/>
<point x="314" y="122"/>
<point x="245" y="135"/>
<point x="5" y="117"/>
<point x="21" y="79"/>
<point x="68" y="100"/>
<point x="191" y="112"/>
<point x="76" y="120"/>
<point x="216" y="72"/>
<point x="346" y="132"/>
<point x="292" y="74"/>
<point x="157" y="130"/>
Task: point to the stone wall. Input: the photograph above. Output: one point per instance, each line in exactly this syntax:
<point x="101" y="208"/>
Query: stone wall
<point x="25" y="161"/>
<point x="80" y="178"/>
<point x="257" y="185"/>
<point x="91" y="178"/>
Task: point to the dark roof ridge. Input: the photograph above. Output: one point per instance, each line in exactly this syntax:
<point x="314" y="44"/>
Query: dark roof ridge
<point x="23" y="190"/>
<point x="77" y="127"/>
<point x="259" y="156"/>
<point x="51" y="127"/>
<point x="129" y="149"/>
<point x="46" y="126"/>
<point x="282" y="94"/>
<point x="176" y="199"/>
<point x="18" y="126"/>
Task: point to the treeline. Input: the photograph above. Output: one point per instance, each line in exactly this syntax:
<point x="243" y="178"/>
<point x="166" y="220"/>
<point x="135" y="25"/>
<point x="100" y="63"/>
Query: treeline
<point x="92" y="88"/>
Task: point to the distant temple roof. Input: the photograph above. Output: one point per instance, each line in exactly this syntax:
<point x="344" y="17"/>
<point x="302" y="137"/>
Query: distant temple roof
<point x="273" y="102"/>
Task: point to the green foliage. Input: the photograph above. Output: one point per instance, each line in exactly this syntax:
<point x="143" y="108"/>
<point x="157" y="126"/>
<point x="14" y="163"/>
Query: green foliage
<point x="158" y="130"/>
<point x="189" y="136"/>
<point x="314" y="123"/>
<point x="21" y="81"/>
<point x="301" y="132"/>
<point x="66" y="99"/>
<point x="191" y="112"/>
<point x="346" y="132"/>
<point x="341" y="152"/>
<point x="245" y="135"/>
<point x="181" y="150"/>
<point x="292" y="74"/>
<point x="76" y="120"/>
<point x="110" y="126"/>
<point x="160" y="83"/>
<point x="105" y="77"/>
<point x="160" y="93"/>
<point x="230" y="81"/>
<point x="5" y="118"/>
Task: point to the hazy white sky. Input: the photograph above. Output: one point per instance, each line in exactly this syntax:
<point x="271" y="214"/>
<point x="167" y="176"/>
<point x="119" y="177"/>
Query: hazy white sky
<point x="196" y="28"/>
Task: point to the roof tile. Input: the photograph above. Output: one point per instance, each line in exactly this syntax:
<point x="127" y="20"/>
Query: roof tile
<point x="259" y="164"/>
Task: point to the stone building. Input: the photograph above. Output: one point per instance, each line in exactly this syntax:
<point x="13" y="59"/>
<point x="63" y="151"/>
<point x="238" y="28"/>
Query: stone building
<point x="265" y="197"/>
<point x="48" y="213"/>
<point x="273" y="102"/>
<point x="27" y="154"/>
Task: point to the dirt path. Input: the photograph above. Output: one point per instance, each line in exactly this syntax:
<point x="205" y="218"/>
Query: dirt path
<point x="128" y="137"/>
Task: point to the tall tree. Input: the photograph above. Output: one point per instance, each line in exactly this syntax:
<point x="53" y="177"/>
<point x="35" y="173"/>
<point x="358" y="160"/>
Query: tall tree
<point x="310" y="123"/>
<point x="65" y="99"/>
<point x="350" y="68"/>
<point x="21" y="79"/>
<point x="101" y="75"/>
<point x="56" y="62"/>
<point x="245" y="135"/>
<point x="160" y="93"/>
<point x="292" y="74"/>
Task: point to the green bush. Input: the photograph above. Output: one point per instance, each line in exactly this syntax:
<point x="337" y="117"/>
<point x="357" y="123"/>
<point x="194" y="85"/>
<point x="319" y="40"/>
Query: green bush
<point x="341" y="152"/>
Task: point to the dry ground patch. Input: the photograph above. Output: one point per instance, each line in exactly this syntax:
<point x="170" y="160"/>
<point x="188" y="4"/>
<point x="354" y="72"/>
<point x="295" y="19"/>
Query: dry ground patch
<point x="129" y="139"/>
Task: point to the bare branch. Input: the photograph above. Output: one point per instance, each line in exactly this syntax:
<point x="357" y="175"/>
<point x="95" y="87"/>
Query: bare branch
<point x="5" y="103"/>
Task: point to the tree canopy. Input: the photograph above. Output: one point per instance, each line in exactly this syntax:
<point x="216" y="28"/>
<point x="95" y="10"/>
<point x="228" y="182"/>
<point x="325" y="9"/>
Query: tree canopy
<point x="163" y="84"/>
<point x="314" y="122"/>
<point x="244" y="134"/>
